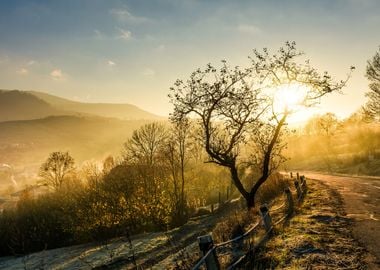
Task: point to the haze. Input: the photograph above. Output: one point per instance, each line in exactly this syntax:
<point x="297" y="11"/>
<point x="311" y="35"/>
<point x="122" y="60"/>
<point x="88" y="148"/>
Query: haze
<point x="132" y="51"/>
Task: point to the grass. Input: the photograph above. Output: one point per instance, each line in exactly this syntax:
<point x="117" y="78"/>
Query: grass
<point x="272" y="188"/>
<point x="243" y="219"/>
<point x="318" y="237"/>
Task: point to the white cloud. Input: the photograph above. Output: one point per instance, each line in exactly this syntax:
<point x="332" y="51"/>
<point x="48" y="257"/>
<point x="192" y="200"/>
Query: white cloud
<point x="161" y="48"/>
<point x="31" y="63"/>
<point x="57" y="74"/>
<point x="148" y="72"/>
<point x="248" y="29"/>
<point x="124" y="15"/>
<point x="4" y="59"/>
<point x="124" y="34"/>
<point x="23" y="71"/>
<point x="98" y="34"/>
<point x="111" y="63"/>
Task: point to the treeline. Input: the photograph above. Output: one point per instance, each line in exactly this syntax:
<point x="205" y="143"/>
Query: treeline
<point x="326" y="143"/>
<point x="157" y="184"/>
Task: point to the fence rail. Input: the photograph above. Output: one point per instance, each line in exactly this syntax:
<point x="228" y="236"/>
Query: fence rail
<point x="212" y="253"/>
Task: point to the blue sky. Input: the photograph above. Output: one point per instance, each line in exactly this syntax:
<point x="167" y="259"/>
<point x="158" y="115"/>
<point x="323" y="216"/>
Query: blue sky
<point x="132" y="51"/>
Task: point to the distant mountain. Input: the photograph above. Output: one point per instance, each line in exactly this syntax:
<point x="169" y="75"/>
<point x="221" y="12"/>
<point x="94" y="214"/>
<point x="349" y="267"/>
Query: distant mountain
<point x="121" y="111"/>
<point x="18" y="105"/>
<point x="28" y="105"/>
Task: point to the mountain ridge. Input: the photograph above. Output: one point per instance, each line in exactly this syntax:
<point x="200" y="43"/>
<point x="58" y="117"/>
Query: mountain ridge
<point x="27" y="105"/>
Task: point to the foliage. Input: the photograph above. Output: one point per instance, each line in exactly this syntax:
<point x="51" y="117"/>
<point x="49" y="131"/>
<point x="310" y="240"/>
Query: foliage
<point x="326" y="124"/>
<point x="372" y="108"/>
<point x="234" y="106"/>
<point x="352" y="146"/>
<point x="146" y="191"/>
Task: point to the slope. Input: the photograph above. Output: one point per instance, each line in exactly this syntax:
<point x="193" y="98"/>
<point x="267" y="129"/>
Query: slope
<point x="121" y="111"/>
<point x="18" y="105"/>
<point x="29" y="142"/>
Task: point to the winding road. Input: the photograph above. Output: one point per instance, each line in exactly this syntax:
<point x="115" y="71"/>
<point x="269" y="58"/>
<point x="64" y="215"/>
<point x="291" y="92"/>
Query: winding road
<point x="361" y="197"/>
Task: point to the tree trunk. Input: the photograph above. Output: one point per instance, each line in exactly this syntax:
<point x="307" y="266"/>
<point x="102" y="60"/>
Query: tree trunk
<point x="266" y="164"/>
<point x="255" y="188"/>
<point x="236" y="180"/>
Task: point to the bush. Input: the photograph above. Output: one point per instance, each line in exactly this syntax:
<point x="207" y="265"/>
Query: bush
<point x="273" y="187"/>
<point x="227" y="229"/>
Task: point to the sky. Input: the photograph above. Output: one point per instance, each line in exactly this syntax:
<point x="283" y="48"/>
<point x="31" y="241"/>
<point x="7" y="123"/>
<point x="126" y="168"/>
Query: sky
<point x="132" y="51"/>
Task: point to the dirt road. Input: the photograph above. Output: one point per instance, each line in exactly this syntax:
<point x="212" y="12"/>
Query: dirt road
<point x="361" y="196"/>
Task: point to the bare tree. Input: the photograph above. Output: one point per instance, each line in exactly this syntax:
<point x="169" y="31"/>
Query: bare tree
<point x="146" y="144"/>
<point x="56" y="168"/>
<point x="144" y="153"/>
<point x="177" y="156"/>
<point x="372" y="108"/>
<point x="234" y="105"/>
<point x="225" y="105"/>
<point x="328" y="123"/>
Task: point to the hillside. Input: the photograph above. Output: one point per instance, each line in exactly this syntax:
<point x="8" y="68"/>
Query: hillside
<point x="121" y="111"/>
<point x="28" y="105"/>
<point x="29" y="142"/>
<point x="18" y="105"/>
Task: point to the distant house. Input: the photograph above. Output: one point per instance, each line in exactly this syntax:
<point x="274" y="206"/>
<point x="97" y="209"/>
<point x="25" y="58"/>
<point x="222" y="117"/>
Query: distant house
<point x="33" y="190"/>
<point x="7" y="203"/>
<point x="10" y="201"/>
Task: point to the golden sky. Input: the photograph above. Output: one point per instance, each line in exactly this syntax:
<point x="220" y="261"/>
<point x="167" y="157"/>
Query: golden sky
<point x="132" y="51"/>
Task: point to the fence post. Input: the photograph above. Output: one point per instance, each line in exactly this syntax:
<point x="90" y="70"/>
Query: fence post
<point x="304" y="185"/>
<point x="289" y="200"/>
<point x="298" y="188"/>
<point x="205" y="244"/>
<point x="298" y="176"/>
<point x="291" y="174"/>
<point x="237" y="246"/>
<point x="267" y="221"/>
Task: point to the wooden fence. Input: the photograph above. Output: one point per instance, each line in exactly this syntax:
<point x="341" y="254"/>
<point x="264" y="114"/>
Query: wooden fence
<point x="238" y="251"/>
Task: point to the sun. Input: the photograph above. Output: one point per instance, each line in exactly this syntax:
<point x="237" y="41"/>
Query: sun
<point x="289" y="97"/>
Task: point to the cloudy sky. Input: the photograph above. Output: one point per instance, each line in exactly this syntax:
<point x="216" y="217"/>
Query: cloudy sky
<point x="132" y="51"/>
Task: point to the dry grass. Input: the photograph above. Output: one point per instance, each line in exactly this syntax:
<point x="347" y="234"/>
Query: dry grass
<point x="243" y="219"/>
<point x="318" y="237"/>
<point x="227" y="229"/>
<point x="272" y="188"/>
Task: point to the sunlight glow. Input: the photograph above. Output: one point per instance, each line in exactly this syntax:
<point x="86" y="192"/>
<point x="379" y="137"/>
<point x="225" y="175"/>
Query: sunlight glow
<point x="289" y="97"/>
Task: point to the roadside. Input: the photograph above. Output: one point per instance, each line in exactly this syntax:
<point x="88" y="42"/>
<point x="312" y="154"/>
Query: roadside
<point x="318" y="236"/>
<point x="361" y="200"/>
<point x="145" y="250"/>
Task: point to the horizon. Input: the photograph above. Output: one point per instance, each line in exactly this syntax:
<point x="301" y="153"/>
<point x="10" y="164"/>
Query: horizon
<point x="124" y="52"/>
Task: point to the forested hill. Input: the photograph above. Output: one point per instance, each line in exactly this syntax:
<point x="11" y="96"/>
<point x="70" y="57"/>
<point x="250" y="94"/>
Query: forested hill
<point x="31" y="141"/>
<point x="27" y="105"/>
<point x="121" y="111"/>
<point x="18" y="105"/>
